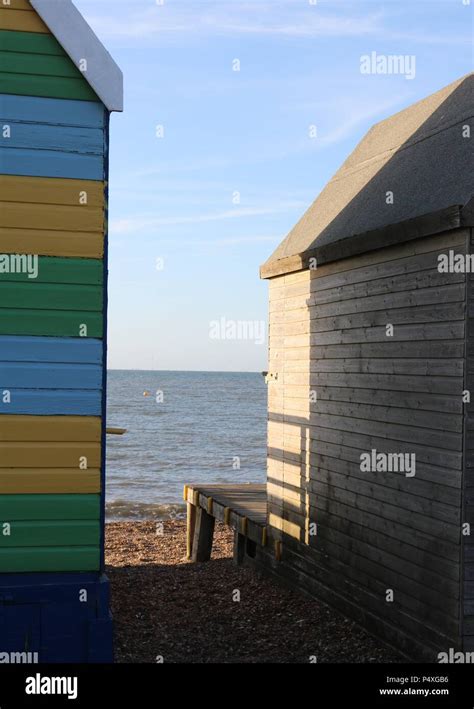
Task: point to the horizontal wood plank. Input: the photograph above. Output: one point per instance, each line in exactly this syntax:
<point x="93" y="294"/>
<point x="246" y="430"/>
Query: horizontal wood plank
<point x="49" y="323"/>
<point x="28" y="375"/>
<point x="21" y="20"/>
<point x="59" y="534"/>
<point x="69" y="244"/>
<point x="55" y="112"/>
<point x="50" y="428"/>
<point x="50" y="455"/>
<point x="50" y="559"/>
<point x="50" y="349"/>
<point x="49" y="191"/>
<point x="49" y="507"/>
<point x="53" y="402"/>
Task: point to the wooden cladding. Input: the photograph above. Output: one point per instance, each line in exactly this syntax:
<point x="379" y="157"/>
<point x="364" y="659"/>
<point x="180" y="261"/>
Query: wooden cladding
<point x="50" y="533"/>
<point x="56" y="112"/>
<point x="43" y="482"/>
<point x="18" y="16"/>
<point x="19" y="5"/>
<point x="51" y="217"/>
<point x="49" y="454"/>
<point x="33" y="63"/>
<point x="66" y="139"/>
<point x="83" y="195"/>
<point x="64" y="300"/>
<point x="49" y="507"/>
<point x="53" y="158"/>
<point x="49" y="559"/>
<point x="346" y="386"/>
<point x="49" y="493"/>
<point x="50" y="376"/>
<point x="49" y="428"/>
<point x="38" y="534"/>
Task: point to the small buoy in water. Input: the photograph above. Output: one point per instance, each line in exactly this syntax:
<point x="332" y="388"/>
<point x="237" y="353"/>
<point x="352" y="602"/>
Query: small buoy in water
<point x="146" y="393"/>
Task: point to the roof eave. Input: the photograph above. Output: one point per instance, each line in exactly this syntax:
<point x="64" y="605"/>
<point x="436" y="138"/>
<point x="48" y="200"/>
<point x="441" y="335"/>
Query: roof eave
<point x="79" y="42"/>
<point x="467" y="214"/>
<point x="425" y="225"/>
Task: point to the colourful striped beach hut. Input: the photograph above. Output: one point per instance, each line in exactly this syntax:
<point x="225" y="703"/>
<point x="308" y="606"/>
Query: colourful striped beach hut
<point x="58" y="86"/>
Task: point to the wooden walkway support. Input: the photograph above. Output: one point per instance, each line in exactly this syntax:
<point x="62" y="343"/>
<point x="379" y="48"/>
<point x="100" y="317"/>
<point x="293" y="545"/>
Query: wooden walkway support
<point x="242" y="507"/>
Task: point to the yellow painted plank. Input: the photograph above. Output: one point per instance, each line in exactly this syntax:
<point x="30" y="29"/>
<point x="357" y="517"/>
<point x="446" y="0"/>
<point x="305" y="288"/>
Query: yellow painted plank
<point x="68" y="244"/>
<point x="50" y="216"/>
<point x="49" y="455"/>
<point x="18" y="5"/>
<point x="49" y="482"/>
<point x="52" y="190"/>
<point x="68" y="429"/>
<point x="21" y="20"/>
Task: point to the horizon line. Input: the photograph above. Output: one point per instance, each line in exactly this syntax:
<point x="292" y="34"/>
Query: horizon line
<point x="191" y="371"/>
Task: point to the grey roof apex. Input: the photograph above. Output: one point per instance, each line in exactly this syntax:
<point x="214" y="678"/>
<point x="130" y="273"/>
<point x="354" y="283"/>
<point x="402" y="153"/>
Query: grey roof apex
<point x="420" y="155"/>
<point x="79" y="41"/>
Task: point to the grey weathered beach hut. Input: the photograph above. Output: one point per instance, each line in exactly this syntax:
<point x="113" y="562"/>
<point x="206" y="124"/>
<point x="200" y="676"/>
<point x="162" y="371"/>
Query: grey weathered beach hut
<point x="371" y="358"/>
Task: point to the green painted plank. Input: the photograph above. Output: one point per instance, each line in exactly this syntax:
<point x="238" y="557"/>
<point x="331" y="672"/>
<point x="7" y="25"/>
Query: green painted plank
<point x="51" y="297"/>
<point x="38" y="64"/>
<point x="30" y="43"/>
<point x="50" y="323"/>
<point x="47" y="296"/>
<point x="79" y="271"/>
<point x="47" y="86"/>
<point x="34" y="64"/>
<point x="50" y="559"/>
<point x="44" y="534"/>
<point x="49" y="507"/>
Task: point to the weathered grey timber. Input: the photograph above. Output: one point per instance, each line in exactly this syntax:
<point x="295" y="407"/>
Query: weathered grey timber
<point x="371" y="348"/>
<point x="242" y="507"/>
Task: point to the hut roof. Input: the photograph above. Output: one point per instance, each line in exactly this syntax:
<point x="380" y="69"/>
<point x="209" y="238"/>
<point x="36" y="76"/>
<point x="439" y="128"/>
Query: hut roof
<point x="421" y="155"/>
<point x="79" y="42"/>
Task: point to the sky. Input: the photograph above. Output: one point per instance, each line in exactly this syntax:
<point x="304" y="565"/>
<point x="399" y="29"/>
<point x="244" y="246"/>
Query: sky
<point x="236" y="115"/>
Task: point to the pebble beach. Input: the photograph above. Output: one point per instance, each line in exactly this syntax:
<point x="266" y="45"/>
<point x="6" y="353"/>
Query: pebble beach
<point x="169" y="610"/>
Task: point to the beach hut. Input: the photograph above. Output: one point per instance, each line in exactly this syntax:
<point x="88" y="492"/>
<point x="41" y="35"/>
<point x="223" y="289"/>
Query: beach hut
<point x="58" y="86"/>
<point x="371" y="377"/>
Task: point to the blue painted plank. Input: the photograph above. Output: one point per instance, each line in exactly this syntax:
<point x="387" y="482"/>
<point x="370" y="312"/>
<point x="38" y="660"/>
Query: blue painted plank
<point x="60" y="402"/>
<point x="48" y="163"/>
<point x="31" y="587"/>
<point x="51" y="110"/>
<point x="31" y="375"/>
<point x="47" y="365"/>
<point x="71" y="139"/>
<point x="78" y="632"/>
<point x="50" y="349"/>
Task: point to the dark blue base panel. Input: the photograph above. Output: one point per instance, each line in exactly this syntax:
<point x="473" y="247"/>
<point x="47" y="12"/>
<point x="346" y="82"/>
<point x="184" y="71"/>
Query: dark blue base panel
<point x="55" y="618"/>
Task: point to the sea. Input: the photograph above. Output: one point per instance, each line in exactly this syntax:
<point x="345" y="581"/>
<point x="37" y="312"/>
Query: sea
<point x="182" y="427"/>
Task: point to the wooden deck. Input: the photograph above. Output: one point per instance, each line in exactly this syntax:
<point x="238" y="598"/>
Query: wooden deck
<point x="242" y="507"/>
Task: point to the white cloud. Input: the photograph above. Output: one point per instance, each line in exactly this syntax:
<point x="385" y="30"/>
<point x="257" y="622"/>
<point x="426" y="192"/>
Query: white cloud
<point x="303" y="26"/>
<point x="286" y="19"/>
<point x="135" y="224"/>
<point x="358" y="115"/>
<point x="227" y="241"/>
<point x="355" y="112"/>
<point x="187" y="19"/>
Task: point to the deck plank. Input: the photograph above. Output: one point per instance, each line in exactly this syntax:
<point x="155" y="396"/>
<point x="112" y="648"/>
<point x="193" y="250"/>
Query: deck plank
<point x="246" y="500"/>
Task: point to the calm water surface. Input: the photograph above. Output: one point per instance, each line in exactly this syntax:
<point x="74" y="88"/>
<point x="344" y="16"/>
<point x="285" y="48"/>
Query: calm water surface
<point x="205" y="421"/>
